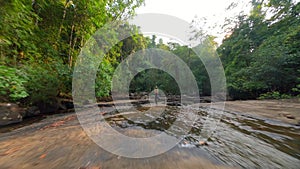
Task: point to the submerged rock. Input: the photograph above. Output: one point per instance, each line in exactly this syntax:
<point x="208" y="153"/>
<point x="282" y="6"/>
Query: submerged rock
<point x="174" y="103"/>
<point x="32" y="111"/>
<point x="50" y="107"/>
<point x="10" y="113"/>
<point x="202" y="143"/>
<point x="289" y="116"/>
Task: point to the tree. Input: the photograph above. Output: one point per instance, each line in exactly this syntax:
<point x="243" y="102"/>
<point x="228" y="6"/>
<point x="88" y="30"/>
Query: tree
<point x="42" y="38"/>
<point x="261" y="54"/>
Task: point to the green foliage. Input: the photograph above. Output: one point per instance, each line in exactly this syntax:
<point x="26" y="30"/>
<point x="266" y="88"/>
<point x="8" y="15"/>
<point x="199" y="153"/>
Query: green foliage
<point x="46" y="81"/>
<point x="42" y="83"/>
<point x="262" y="55"/>
<point x="103" y="79"/>
<point x="146" y="80"/>
<point x="12" y="84"/>
<point x="274" y="95"/>
<point x="296" y="89"/>
<point x="17" y="28"/>
<point x="40" y="41"/>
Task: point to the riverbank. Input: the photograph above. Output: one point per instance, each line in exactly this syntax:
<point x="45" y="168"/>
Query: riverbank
<point x="287" y="111"/>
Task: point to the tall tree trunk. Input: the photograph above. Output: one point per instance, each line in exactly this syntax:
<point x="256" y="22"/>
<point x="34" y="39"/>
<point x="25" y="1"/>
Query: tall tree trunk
<point x="71" y="49"/>
<point x="63" y="18"/>
<point x="70" y="46"/>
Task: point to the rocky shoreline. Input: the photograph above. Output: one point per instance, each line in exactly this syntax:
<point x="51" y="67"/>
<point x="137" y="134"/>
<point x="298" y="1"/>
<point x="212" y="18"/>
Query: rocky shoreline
<point x="11" y="113"/>
<point x="283" y="110"/>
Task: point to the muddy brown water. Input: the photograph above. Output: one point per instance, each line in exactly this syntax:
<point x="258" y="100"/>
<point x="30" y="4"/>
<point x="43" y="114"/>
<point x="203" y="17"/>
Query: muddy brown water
<point x="238" y="141"/>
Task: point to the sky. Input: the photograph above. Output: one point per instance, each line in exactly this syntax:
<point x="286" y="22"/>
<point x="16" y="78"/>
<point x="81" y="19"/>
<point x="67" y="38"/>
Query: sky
<point x="213" y="10"/>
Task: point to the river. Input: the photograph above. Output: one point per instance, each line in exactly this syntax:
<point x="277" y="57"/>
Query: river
<point x="238" y="141"/>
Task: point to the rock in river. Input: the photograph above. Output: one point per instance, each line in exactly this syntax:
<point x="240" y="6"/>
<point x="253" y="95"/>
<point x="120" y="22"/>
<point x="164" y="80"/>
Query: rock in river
<point x="10" y="113"/>
<point x="32" y="111"/>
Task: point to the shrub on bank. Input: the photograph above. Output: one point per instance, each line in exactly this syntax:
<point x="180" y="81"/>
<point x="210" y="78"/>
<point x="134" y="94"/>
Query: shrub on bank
<point x="274" y="95"/>
<point x="12" y="84"/>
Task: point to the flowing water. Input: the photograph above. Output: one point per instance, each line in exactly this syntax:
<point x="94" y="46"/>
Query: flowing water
<point x="238" y="140"/>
